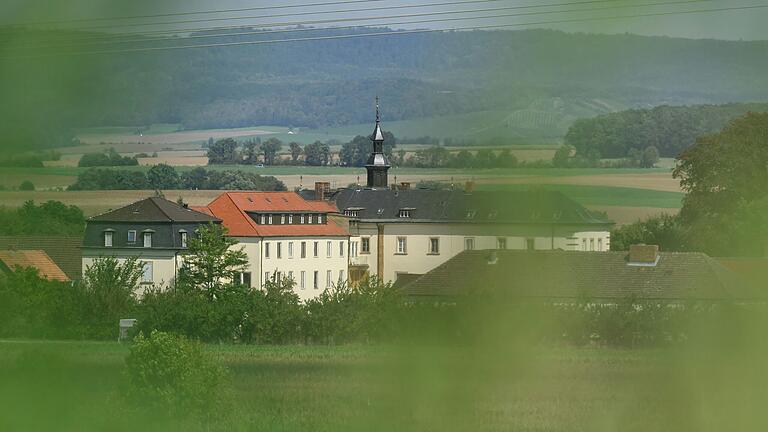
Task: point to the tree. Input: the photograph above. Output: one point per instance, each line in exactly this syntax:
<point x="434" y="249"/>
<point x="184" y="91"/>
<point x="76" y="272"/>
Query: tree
<point x="562" y="156"/>
<point x="724" y="177"/>
<point x="223" y="151"/>
<point x="664" y="230"/>
<point x="250" y="157"/>
<point x="26" y="185"/>
<point x="109" y="287"/>
<point x="271" y="148"/>
<point x="163" y="176"/>
<point x="211" y="261"/>
<point x="317" y="154"/>
<point x="295" y="151"/>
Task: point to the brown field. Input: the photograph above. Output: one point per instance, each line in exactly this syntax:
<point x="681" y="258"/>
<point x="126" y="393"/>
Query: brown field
<point x="653" y="181"/>
<point x="626" y="215"/>
<point x="95" y="202"/>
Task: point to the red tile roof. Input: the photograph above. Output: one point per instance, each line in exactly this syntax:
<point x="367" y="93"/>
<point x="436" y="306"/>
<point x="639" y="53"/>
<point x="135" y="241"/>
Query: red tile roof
<point x="33" y="258"/>
<point x="233" y="207"/>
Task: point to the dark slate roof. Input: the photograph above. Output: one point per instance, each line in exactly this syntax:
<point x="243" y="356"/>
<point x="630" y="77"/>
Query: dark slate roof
<point x="64" y="251"/>
<point x="534" y="206"/>
<point x="154" y="209"/>
<point x="589" y="275"/>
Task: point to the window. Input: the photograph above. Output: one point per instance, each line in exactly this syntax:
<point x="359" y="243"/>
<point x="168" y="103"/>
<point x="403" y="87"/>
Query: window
<point x="282" y="219"/>
<point x="290" y="218"/>
<point x="279" y="250"/>
<point x="266" y="277"/>
<point x="147" y="239"/>
<point x="108" y="238"/>
<point x="183" y="236"/>
<point x="405" y="213"/>
<point x="302" y="283"/>
<point x="302" y="218"/>
<point x="501" y="243"/>
<point x="341" y="276"/>
<point x="341" y="248"/>
<point x="365" y="245"/>
<point x="469" y="243"/>
<point x="353" y="249"/>
<point x="146" y="273"/>
<point x="600" y="244"/>
<point x="352" y="212"/>
<point x="266" y="249"/>
<point x="290" y="249"/>
<point x="317" y="249"/>
<point x="263" y="219"/>
<point x="583" y="244"/>
<point x="434" y="245"/>
<point x="402" y="246"/>
<point x="328" y="278"/>
<point x="132" y="236"/>
<point x="591" y="244"/>
<point x="303" y="249"/>
<point x="530" y="244"/>
<point x="290" y="275"/>
<point x="246" y="279"/>
<point x="270" y="219"/>
<point x="309" y="219"/>
<point x="328" y="249"/>
<point x="315" y="281"/>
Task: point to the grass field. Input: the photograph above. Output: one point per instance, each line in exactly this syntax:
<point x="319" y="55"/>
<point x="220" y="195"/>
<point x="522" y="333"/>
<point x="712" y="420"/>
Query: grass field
<point x="77" y="386"/>
<point x="295" y="388"/>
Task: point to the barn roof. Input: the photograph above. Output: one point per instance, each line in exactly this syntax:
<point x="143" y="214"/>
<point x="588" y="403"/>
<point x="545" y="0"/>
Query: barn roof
<point x="593" y="275"/>
<point x="36" y="259"/>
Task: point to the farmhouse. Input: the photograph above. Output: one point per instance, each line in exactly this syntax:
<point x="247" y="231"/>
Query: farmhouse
<point x="644" y="273"/>
<point x="155" y="230"/>
<point x="285" y="235"/>
<point x="403" y="232"/>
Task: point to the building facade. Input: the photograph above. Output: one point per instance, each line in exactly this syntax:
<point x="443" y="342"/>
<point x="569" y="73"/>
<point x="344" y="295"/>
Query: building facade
<point x="286" y="236"/>
<point x="154" y="230"/>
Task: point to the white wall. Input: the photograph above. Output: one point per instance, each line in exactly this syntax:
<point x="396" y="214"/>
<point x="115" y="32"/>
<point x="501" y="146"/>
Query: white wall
<point x="163" y="262"/>
<point x="452" y="237"/>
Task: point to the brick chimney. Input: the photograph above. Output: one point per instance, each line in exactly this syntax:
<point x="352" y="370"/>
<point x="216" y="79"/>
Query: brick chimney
<point x="321" y="188"/>
<point x="643" y="255"/>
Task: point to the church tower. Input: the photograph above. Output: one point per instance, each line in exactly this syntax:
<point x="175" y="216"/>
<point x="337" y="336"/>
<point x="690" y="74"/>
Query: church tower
<point x="377" y="164"/>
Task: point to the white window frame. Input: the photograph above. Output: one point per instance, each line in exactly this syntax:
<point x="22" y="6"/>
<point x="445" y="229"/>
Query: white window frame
<point x="263" y="219"/>
<point x="279" y="250"/>
<point x="434" y="246"/>
<point x="282" y="219"/>
<point x="329" y="249"/>
<point x="270" y="219"/>
<point x="290" y="250"/>
<point x="315" y="281"/>
<point x="147" y="272"/>
<point x="401" y="247"/>
<point x="341" y="277"/>
<point x="109" y="237"/>
<point x="303" y="249"/>
<point x="129" y="236"/>
<point x="147" y="237"/>
<point x="316" y="249"/>
<point x="303" y="284"/>
<point x="290" y="218"/>
<point x="328" y="278"/>
<point x="183" y="238"/>
<point x="302" y="218"/>
<point x="469" y="243"/>
<point x="266" y="250"/>
<point x="341" y="248"/>
<point x="365" y="241"/>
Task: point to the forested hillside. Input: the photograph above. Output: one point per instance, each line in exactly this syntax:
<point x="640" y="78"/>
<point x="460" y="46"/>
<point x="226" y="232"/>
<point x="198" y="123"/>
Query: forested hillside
<point x="544" y="79"/>
<point x="671" y="129"/>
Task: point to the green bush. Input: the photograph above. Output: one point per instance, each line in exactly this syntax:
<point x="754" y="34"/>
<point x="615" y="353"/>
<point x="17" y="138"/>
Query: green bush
<point x="171" y="375"/>
<point x="26" y="185"/>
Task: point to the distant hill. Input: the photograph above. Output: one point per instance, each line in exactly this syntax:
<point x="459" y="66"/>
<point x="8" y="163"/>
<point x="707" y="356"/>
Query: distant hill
<point x="670" y="129"/>
<point x="539" y="81"/>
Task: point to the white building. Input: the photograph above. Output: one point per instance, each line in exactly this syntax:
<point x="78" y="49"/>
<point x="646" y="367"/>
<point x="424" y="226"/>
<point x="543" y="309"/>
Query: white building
<point x="286" y="236"/>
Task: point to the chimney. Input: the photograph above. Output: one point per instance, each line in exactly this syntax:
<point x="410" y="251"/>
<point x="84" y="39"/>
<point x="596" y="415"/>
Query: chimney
<point x="643" y="255"/>
<point x="469" y="186"/>
<point x="322" y="188"/>
<point x="405" y="185"/>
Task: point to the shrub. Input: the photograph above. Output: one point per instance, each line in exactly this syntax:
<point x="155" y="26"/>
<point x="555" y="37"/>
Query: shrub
<point x="171" y="375"/>
<point x="26" y="185"/>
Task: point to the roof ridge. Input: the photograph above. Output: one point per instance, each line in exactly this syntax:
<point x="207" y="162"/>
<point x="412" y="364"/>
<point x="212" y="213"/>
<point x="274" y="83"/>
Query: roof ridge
<point x="112" y="210"/>
<point x="153" y="198"/>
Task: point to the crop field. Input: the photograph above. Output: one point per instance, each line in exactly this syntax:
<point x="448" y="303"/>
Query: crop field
<point x="319" y="388"/>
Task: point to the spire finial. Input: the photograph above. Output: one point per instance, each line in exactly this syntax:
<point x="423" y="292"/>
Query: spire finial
<point x="378" y="119"/>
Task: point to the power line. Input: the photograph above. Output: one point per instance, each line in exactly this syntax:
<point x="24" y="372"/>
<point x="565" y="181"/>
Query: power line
<point x="337" y="11"/>
<point x="424" y="21"/>
<point x="398" y="33"/>
<point x="305" y="5"/>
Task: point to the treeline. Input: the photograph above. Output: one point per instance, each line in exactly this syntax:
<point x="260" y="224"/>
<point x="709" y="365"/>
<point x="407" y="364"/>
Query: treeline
<point x="48" y="218"/>
<point x="669" y="129"/>
<point x="227" y="151"/>
<point x="725" y="204"/>
<point x="165" y="177"/>
<point x="33" y="159"/>
<point x="441" y="157"/>
<point x="108" y="157"/>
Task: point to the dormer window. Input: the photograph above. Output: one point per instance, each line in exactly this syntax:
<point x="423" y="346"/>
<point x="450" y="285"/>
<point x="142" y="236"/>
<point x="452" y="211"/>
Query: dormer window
<point x="270" y="218"/>
<point x="263" y="219"/>
<point x="352" y="212"/>
<point x="183" y="238"/>
<point x="282" y="219"/>
<point x="290" y="218"/>
<point x="132" y="236"/>
<point x="108" y="238"/>
<point x="147" y="239"/>
<point x="319" y="218"/>
<point x="405" y="213"/>
<point x="302" y="218"/>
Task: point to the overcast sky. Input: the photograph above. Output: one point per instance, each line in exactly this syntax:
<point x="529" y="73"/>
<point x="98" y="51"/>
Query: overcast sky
<point x="746" y="24"/>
